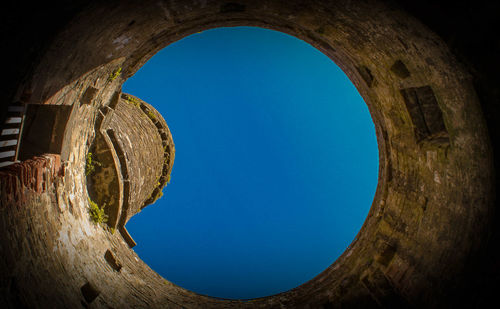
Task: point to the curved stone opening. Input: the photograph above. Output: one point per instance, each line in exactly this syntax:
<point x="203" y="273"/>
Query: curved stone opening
<point x="104" y="180"/>
<point x="267" y="126"/>
<point x="431" y="198"/>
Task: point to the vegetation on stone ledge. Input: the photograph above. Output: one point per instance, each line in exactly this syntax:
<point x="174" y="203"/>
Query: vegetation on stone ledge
<point x="97" y="214"/>
<point x="90" y="164"/>
<point x="115" y="74"/>
<point x="151" y="115"/>
<point x="157" y="196"/>
<point x="133" y="101"/>
<point x="166" y="159"/>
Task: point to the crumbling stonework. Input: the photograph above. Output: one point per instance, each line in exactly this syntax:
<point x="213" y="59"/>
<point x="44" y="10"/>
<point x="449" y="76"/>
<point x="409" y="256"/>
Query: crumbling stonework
<point x="431" y="213"/>
<point x="35" y="174"/>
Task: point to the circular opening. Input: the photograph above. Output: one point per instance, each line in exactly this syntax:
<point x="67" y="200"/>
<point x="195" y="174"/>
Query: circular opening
<point x="276" y="163"/>
<point x="421" y="230"/>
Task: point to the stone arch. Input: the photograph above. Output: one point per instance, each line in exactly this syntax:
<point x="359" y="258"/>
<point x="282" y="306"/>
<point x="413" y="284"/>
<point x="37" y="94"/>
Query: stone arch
<point x="432" y="200"/>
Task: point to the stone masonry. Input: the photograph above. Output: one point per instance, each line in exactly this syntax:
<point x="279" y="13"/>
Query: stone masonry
<point x="427" y="236"/>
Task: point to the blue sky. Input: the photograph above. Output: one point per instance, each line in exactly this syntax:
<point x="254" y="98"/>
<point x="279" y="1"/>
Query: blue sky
<point x="276" y="163"/>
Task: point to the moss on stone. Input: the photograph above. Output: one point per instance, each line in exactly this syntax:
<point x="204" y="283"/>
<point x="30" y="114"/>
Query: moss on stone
<point x="151" y="115"/>
<point x="134" y="101"/>
<point x="115" y="74"/>
<point x="97" y="214"/>
<point x="90" y="165"/>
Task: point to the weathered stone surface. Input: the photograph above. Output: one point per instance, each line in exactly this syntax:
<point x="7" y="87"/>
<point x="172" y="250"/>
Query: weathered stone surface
<point x="105" y="183"/>
<point x="35" y="174"/>
<point x="425" y="113"/>
<point x="431" y="216"/>
<point x="112" y="261"/>
<point x="89" y="292"/>
<point x="136" y="126"/>
<point x="400" y="69"/>
<point x="131" y="158"/>
<point x="88" y="95"/>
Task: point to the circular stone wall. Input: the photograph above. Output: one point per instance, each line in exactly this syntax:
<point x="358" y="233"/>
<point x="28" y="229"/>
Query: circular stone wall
<point x="434" y="193"/>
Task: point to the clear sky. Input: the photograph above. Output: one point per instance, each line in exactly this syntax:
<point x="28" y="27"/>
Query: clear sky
<point x="275" y="169"/>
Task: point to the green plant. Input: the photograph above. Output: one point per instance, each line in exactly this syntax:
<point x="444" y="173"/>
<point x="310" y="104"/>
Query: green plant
<point x="115" y="74"/>
<point x="91" y="164"/>
<point x="97" y="214"/>
<point x="160" y="194"/>
<point x="133" y="101"/>
<point x="151" y="115"/>
<point x="157" y="196"/>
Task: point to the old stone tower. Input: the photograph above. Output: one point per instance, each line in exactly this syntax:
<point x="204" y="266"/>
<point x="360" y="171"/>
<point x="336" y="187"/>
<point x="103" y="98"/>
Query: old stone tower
<point x="129" y="156"/>
<point x="130" y="159"/>
<point x="430" y="81"/>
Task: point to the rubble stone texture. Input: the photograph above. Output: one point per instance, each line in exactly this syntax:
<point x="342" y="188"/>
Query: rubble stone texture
<point x="434" y="204"/>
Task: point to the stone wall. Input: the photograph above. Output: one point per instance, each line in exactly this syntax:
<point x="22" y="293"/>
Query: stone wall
<point x="129" y="160"/>
<point x="139" y="132"/>
<point x="104" y="179"/>
<point x="36" y="174"/>
<point x="434" y="202"/>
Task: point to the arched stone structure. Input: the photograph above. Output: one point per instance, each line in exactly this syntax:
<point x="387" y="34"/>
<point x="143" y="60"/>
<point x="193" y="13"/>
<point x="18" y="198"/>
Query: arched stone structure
<point x="134" y="153"/>
<point x="434" y="199"/>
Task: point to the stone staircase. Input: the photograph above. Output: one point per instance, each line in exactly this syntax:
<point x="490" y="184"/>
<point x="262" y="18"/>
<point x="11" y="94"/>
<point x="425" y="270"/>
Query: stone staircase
<point x="10" y="132"/>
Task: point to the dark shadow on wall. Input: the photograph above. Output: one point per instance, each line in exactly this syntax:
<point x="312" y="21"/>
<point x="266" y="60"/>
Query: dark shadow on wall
<point x="469" y="30"/>
<point x="26" y="31"/>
